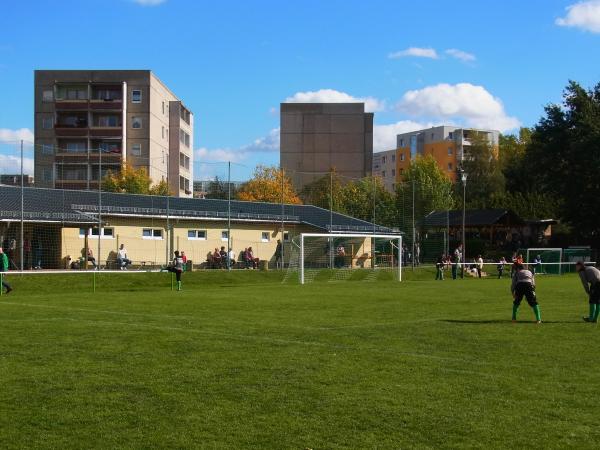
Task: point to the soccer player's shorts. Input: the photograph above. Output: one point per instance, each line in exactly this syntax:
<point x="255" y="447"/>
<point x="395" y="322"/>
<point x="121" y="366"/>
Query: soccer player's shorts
<point x="595" y="294"/>
<point x="525" y="290"/>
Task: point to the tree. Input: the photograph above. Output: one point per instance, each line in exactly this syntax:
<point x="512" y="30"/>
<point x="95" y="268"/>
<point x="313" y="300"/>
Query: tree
<point x="485" y="180"/>
<point x="512" y="158"/>
<point x="321" y="191"/>
<point x="367" y="199"/>
<point x="267" y="185"/>
<point x="563" y="159"/>
<point x="133" y="181"/>
<point x="219" y="189"/>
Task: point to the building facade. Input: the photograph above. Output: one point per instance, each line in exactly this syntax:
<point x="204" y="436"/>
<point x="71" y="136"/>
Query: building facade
<point x="449" y="146"/>
<point x="318" y="137"/>
<point x="88" y="122"/>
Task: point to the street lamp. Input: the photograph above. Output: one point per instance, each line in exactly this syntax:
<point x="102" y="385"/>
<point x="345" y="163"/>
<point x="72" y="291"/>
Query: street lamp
<point x="463" y="177"/>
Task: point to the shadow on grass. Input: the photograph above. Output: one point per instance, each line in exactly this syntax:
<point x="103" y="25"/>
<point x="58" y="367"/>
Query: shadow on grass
<point x="520" y="322"/>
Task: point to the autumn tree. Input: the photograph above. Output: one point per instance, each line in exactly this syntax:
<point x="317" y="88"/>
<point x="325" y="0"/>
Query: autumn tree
<point x="133" y="181"/>
<point x="269" y="184"/>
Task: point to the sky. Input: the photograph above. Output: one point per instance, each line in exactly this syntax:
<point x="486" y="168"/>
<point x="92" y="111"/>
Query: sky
<point x="478" y="63"/>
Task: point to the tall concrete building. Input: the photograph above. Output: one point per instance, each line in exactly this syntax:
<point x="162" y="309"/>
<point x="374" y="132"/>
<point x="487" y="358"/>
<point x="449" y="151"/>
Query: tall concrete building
<point x="316" y="137"/>
<point x="88" y="122"/>
<point x="448" y="145"/>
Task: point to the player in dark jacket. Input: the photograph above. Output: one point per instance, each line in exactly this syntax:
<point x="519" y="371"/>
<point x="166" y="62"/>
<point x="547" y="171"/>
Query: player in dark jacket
<point x="523" y="285"/>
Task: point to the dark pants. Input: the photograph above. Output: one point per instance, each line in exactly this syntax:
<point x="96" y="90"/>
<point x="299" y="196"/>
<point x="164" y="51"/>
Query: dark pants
<point x="595" y="294"/>
<point x="177" y="272"/>
<point x="5" y="284"/>
<point x="525" y="290"/>
<point x="500" y="271"/>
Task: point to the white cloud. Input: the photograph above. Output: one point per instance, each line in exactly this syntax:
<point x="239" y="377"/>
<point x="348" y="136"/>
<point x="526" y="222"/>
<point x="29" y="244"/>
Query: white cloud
<point x="149" y="2"/>
<point x="266" y="144"/>
<point x="372" y="104"/>
<point x="8" y="135"/>
<point x="384" y="136"/>
<point x="584" y="15"/>
<point x="10" y="164"/>
<point x="461" y="55"/>
<point x="418" y="52"/>
<point x="463" y="102"/>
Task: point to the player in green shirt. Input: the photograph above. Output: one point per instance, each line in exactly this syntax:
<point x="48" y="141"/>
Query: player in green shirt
<point x="4" y="269"/>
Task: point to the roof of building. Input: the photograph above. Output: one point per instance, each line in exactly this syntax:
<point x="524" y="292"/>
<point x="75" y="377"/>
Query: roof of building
<point x="71" y="206"/>
<point x="473" y="218"/>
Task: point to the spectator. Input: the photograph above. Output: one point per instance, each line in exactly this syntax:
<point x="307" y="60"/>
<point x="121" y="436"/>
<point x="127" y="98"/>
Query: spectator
<point x="4" y="269"/>
<point x="279" y="255"/>
<point x="439" y="266"/>
<point x="216" y="259"/>
<point x="340" y="256"/>
<point x="500" y="266"/>
<point x="454" y="267"/>
<point x="537" y="264"/>
<point x="479" y="265"/>
<point x="250" y="259"/>
<point x="90" y="258"/>
<point x="231" y="258"/>
<point x="122" y="258"/>
<point x="223" y="255"/>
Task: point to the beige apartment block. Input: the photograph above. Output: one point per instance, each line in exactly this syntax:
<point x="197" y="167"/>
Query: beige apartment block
<point x="318" y="137"/>
<point x="88" y="122"/>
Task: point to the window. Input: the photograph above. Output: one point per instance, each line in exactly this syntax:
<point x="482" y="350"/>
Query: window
<point x="401" y="171"/>
<point x="184" y="138"/>
<point x="110" y="147"/>
<point x="196" y="235"/>
<point x="449" y="151"/>
<point x="286" y="236"/>
<point x="265" y="236"/>
<point x="187" y="140"/>
<point x="47" y="149"/>
<point x="224" y="235"/>
<point x="450" y="135"/>
<point x="106" y="121"/>
<point x="152" y="233"/>
<point x="47" y="174"/>
<point x="107" y="233"/>
<point x="393" y="186"/>
<point x="401" y="156"/>
<point x="47" y="95"/>
<point x="184" y="161"/>
<point x="47" y="123"/>
<point x="136" y="96"/>
<point x="432" y="136"/>
<point x="76" y="93"/>
<point x="394" y="158"/>
<point x="383" y="173"/>
<point x="383" y="160"/>
<point x="401" y="142"/>
<point x="136" y="149"/>
<point x="393" y="172"/>
<point x="136" y="122"/>
<point x="163" y="132"/>
<point x="450" y="166"/>
<point x="163" y="107"/>
<point x="76" y="147"/>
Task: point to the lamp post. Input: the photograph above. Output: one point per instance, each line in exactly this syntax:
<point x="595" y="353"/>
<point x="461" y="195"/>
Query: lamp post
<point x="463" y="177"/>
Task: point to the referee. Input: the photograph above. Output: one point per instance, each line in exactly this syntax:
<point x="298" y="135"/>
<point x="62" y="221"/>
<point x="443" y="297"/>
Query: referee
<point x="590" y="278"/>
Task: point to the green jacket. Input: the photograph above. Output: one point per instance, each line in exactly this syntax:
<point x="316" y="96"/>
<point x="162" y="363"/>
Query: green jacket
<point x="3" y="262"/>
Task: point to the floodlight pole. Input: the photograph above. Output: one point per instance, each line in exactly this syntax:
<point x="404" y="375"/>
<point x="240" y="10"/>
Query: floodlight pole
<point x="228" y="214"/>
<point x="464" y="246"/>
<point x="330" y="217"/>
<point x="22" y="218"/>
<point x="282" y="219"/>
<point x="413" y="224"/>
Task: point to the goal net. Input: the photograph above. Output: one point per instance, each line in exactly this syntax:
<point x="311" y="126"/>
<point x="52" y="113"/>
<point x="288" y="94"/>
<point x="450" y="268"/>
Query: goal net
<point x="340" y="257"/>
<point x="545" y="260"/>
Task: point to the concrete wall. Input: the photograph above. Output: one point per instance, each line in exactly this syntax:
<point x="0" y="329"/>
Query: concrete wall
<point x="316" y="137"/>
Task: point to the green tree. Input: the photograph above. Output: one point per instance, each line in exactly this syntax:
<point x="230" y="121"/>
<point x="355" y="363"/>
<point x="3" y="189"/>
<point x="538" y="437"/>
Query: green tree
<point x="367" y="199"/>
<point x="218" y="189"/>
<point x="485" y="180"/>
<point x="563" y="159"/>
<point x="321" y="191"/>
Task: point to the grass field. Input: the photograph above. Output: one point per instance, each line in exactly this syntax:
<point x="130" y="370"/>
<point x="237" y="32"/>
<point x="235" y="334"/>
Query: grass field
<point x="241" y="360"/>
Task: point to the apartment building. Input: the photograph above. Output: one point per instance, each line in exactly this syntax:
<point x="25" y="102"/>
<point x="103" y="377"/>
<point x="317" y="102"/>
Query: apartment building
<point x="88" y="122"/>
<point x="448" y="145"/>
<point x="318" y="137"/>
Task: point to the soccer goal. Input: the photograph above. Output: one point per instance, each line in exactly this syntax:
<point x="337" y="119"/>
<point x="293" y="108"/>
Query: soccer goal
<point x="551" y="259"/>
<point x="340" y="257"/>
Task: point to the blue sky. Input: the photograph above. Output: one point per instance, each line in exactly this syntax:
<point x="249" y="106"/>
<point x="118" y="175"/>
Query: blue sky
<point x="472" y="62"/>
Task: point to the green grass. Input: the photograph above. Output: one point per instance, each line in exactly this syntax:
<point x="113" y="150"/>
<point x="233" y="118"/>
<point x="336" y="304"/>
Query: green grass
<point x="240" y="360"/>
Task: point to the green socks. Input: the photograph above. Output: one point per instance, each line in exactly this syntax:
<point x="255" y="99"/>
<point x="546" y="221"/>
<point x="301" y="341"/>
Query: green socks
<point x="538" y="315"/>
<point x="179" y="285"/>
<point x="596" y="313"/>
<point x="515" y="309"/>
<point x="592" y="311"/>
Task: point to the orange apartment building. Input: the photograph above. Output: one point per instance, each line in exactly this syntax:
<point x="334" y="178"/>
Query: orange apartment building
<point x="448" y="146"/>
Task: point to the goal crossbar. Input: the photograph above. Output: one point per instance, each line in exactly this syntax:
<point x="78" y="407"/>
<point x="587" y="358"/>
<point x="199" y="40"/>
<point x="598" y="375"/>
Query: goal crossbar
<point x="391" y="237"/>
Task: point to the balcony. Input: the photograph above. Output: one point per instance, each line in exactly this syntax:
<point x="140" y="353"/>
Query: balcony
<point x="106" y="105"/>
<point x="71" y="105"/>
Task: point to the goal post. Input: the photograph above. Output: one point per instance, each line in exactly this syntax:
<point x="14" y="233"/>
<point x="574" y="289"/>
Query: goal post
<point x="343" y="256"/>
<point x="551" y="259"/>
